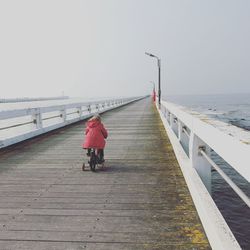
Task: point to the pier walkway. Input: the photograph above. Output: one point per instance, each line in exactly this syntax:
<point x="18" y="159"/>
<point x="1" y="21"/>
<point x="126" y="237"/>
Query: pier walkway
<point x="140" y="201"/>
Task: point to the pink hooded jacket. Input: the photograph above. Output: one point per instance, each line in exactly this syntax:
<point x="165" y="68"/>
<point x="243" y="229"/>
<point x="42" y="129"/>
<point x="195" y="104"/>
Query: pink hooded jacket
<point x="95" y="135"/>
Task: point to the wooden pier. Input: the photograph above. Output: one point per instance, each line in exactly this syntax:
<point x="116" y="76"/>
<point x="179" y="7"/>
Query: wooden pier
<point x="140" y="201"/>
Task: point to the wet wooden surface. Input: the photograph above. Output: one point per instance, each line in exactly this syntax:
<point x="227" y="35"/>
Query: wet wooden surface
<point x="139" y="202"/>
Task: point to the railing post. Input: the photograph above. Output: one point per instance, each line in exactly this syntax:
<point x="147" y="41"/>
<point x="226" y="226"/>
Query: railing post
<point x="168" y="117"/>
<point x="97" y="107"/>
<point x="171" y="120"/>
<point x="201" y="165"/>
<point x="79" y="111"/>
<point x="164" y="111"/>
<point x="89" y="108"/>
<point x="37" y="118"/>
<point x="63" y="115"/>
<point x="180" y="130"/>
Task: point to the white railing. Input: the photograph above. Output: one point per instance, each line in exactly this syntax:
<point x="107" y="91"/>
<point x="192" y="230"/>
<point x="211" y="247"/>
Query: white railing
<point x="195" y="131"/>
<point x="193" y="137"/>
<point x="21" y="124"/>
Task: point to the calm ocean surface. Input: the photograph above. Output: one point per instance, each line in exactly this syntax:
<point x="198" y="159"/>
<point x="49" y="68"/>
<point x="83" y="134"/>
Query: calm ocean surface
<point x="233" y="109"/>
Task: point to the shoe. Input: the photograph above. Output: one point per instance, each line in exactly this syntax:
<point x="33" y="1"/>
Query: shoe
<point x="101" y="161"/>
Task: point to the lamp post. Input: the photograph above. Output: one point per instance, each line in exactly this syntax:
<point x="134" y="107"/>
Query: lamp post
<point x="159" y="75"/>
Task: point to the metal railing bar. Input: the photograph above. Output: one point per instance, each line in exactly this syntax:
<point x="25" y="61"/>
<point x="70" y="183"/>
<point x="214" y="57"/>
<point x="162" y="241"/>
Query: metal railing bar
<point x="236" y="189"/>
<point x="51" y="117"/>
<point x="75" y="112"/>
<point x="18" y="125"/>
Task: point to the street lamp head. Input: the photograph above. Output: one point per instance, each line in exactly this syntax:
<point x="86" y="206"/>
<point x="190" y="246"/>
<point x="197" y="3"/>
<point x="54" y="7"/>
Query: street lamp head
<point x="149" y="54"/>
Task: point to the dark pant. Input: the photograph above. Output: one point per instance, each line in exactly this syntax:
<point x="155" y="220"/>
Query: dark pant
<point x="100" y="153"/>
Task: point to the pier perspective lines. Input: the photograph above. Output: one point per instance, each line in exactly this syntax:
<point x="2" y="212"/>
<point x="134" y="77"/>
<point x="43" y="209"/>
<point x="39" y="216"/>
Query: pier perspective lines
<point x="140" y="201"/>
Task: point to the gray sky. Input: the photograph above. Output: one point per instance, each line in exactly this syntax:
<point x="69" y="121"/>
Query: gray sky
<point x="96" y="47"/>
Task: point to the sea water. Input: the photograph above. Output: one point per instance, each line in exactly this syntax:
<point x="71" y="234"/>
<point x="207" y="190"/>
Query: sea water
<point x="233" y="109"/>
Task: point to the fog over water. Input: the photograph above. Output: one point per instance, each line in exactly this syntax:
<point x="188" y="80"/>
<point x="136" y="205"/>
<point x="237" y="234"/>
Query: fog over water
<point x="96" y="48"/>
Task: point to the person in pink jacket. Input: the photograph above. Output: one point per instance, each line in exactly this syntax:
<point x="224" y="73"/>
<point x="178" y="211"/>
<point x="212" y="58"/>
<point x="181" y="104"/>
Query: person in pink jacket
<point x="95" y="137"/>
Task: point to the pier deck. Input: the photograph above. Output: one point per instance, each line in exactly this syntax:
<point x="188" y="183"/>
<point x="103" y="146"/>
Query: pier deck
<point x="140" y="201"/>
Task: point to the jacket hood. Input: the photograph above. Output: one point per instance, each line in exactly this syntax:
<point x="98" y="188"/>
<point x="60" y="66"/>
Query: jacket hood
<point x="93" y="123"/>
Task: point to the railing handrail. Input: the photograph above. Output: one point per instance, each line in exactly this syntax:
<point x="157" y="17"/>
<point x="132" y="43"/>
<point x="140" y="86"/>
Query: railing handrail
<point x="234" y="150"/>
<point x="183" y="131"/>
<point x="236" y="189"/>
<point x="14" y="113"/>
<point x="38" y="117"/>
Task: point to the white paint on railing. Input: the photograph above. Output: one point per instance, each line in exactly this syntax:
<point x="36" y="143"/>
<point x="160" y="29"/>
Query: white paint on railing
<point x="45" y="119"/>
<point x="198" y="162"/>
<point x="229" y="142"/>
<point x="237" y="190"/>
<point x="202" y="134"/>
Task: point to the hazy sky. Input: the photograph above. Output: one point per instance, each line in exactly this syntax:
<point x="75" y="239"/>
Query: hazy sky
<point x="96" y="47"/>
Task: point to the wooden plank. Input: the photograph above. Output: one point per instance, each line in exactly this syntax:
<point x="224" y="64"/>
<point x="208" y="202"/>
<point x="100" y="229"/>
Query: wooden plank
<point x="95" y="237"/>
<point x="38" y="245"/>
